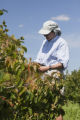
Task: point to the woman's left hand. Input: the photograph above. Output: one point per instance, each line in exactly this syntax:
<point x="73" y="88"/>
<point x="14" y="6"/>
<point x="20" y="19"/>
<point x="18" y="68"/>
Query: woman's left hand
<point x="43" y="68"/>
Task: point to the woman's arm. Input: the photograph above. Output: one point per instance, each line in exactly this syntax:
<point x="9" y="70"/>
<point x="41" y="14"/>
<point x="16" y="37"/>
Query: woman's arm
<point x="56" y="66"/>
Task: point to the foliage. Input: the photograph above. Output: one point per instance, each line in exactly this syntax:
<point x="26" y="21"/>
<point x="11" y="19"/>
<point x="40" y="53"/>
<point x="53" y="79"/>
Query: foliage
<point x="72" y="84"/>
<point x="25" y="93"/>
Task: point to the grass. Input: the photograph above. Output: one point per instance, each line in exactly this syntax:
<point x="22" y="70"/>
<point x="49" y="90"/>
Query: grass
<point x="72" y="111"/>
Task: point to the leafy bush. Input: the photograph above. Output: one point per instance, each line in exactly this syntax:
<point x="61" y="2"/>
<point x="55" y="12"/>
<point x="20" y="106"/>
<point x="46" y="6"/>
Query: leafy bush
<point x="72" y="84"/>
<point x="25" y="93"/>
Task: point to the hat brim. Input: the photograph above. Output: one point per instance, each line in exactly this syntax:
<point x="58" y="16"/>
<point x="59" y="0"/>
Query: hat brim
<point x="44" y="31"/>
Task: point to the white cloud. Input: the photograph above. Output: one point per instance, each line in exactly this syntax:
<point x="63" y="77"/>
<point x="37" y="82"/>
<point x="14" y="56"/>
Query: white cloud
<point x="21" y="25"/>
<point x="61" y="18"/>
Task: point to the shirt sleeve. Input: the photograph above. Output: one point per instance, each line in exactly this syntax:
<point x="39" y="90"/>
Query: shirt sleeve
<point x="63" y="54"/>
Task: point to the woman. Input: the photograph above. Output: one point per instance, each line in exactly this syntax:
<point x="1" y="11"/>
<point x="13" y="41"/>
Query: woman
<point x="54" y="53"/>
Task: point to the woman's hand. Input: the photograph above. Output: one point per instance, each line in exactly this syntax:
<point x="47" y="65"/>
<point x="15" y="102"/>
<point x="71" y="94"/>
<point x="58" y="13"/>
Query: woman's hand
<point x="43" y="68"/>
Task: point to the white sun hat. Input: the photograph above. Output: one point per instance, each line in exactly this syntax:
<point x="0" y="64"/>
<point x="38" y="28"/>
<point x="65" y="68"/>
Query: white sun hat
<point x="49" y="26"/>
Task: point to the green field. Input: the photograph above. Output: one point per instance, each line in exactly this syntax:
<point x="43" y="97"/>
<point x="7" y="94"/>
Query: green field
<point x="72" y="111"/>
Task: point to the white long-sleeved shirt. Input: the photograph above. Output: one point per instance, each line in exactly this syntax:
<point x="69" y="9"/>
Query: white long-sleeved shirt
<point x="53" y="52"/>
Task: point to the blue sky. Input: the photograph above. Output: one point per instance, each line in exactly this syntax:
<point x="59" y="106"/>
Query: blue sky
<point x="25" y="18"/>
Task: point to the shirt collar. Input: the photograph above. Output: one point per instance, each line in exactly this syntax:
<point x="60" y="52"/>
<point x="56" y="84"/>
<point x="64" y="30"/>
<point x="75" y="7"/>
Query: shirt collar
<point x="54" y="39"/>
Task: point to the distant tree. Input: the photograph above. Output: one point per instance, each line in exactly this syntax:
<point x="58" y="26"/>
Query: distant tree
<point x="73" y="86"/>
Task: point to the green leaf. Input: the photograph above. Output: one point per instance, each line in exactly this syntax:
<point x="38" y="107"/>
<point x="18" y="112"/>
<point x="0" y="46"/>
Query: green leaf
<point x="35" y="100"/>
<point x="4" y="23"/>
<point x="41" y="115"/>
<point x="30" y="111"/>
<point x="51" y="115"/>
<point x="1" y="12"/>
<point x="6" y="30"/>
<point x="22" y="38"/>
<point x="24" y="48"/>
<point x="22" y="91"/>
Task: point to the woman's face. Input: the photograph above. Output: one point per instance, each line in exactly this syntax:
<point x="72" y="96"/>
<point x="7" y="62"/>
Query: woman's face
<point x="50" y="36"/>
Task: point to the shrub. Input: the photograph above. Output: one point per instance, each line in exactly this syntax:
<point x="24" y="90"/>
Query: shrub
<point x="72" y="84"/>
<point x="25" y="93"/>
